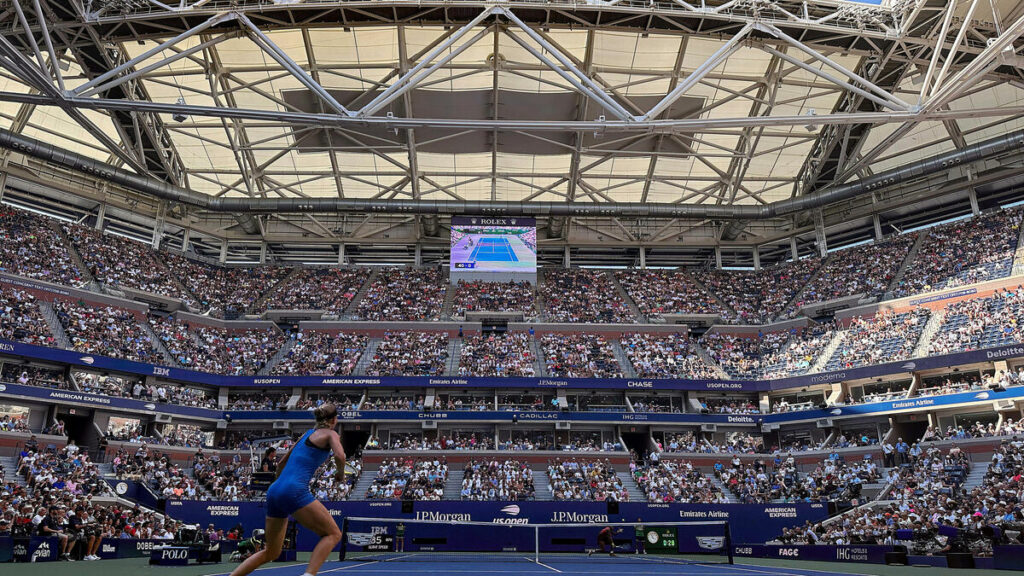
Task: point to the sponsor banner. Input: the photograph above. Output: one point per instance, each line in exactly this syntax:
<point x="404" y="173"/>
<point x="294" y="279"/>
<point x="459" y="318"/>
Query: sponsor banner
<point x="747" y="522"/>
<point x="1008" y="557"/>
<point x="492" y="221"/>
<point x="899" y="405"/>
<point x="6" y="549"/>
<point x="505" y="416"/>
<point x="944" y="296"/>
<point x="179" y="374"/>
<point x="820" y="553"/>
<point x="100" y="401"/>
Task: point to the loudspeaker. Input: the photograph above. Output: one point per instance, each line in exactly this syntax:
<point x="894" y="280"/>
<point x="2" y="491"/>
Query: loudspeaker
<point x="613" y="507"/>
<point x="896" y="558"/>
<point x="407" y="506"/>
<point x="959" y="560"/>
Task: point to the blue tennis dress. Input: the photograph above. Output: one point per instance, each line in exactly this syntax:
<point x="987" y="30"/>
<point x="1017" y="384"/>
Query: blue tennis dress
<point x="290" y="491"/>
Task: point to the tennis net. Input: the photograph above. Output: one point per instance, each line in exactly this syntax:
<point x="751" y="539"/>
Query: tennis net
<point x="395" y="539"/>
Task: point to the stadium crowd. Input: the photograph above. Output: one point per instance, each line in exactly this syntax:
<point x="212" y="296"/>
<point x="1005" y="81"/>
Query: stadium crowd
<point x="404" y="294"/>
<point x="478" y="295"/>
<point x="579" y="356"/>
<point x="320" y="353"/>
<point x="585" y="480"/>
<point x="665" y="356"/>
<point x="501" y="355"/>
<point x="581" y="295"/>
<point x="508" y="480"/>
<point x="410" y="353"/>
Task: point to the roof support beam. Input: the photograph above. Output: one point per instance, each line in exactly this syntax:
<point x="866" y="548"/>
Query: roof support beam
<point x="402" y="83"/>
<point x="275" y="52"/>
<point x="720" y="55"/>
<point x="125" y="66"/>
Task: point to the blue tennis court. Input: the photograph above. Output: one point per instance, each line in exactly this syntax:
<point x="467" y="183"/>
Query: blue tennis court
<point x="625" y="565"/>
<point x="493" y="250"/>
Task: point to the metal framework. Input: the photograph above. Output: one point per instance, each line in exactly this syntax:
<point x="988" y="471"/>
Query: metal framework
<point x="880" y="74"/>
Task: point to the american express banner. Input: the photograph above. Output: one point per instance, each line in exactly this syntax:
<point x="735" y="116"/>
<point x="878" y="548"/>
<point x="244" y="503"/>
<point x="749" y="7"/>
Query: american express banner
<point x="747" y="522"/>
<point x="69" y="357"/>
<point x="72" y="397"/>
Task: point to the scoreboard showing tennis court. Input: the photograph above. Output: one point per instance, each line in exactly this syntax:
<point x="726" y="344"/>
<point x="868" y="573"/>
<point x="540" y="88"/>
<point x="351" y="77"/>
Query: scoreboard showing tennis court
<point x="485" y="244"/>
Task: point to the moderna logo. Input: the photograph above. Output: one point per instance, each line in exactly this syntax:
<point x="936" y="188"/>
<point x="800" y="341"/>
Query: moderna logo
<point x="511" y="510"/>
<point x="87" y="360"/>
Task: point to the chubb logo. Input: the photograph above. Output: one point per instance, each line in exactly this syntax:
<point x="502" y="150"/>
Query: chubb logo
<point x="511" y="510"/>
<point x="43" y="552"/>
<point x="150" y="406"/>
<point x="87" y="360"/>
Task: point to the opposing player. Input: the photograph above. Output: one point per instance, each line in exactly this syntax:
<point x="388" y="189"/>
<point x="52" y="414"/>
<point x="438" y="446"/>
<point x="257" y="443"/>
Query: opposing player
<point x="604" y="538"/>
<point x="289" y="495"/>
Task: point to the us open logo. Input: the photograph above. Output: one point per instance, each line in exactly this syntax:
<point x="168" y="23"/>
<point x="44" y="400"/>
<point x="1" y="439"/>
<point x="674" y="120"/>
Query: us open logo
<point x="511" y="510"/>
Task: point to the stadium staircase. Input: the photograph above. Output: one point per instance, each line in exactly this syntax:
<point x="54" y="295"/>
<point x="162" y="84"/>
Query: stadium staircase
<point x="257" y="306"/>
<point x="976" y="475"/>
<point x="632" y="488"/>
<point x="729" y="496"/>
<point x="1018" y="255"/>
<point x="54" y="323"/>
<point x="87" y="276"/>
<point x="367" y="357"/>
<point x="827" y="352"/>
<point x="624" y="363"/>
<point x="706" y="357"/>
<point x="633" y="308"/>
<point x="363" y="484"/>
<point x="10" y="466"/>
<point x="454" y="352"/>
<point x="350" y="310"/>
<point x="542" y="485"/>
<point x="922" y="237"/>
<point x="810" y="282"/>
<point x="157" y="343"/>
<point x="697" y="282"/>
<point x="453" y="484"/>
<point x="277" y="357"/>
<point x="931" y="328"/>
<point x="539" y="366"/>
<point x="449" y="302"/>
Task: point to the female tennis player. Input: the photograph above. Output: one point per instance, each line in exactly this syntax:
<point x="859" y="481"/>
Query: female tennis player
<point x="289" y="495"/>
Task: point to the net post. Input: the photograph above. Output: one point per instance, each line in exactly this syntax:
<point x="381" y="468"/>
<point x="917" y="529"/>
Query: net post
<point x="344" y="539"/>
<point x="728" y="542"/>
<point x="536" y="544"/>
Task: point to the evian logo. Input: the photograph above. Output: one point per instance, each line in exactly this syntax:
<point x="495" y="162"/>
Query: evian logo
<point x="87" y="360"/>
<point x="511" y="510"/>
<point x="41" y="553"/>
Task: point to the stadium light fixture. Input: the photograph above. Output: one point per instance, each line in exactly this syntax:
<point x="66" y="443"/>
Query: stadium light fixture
<point x="180" y="116"/>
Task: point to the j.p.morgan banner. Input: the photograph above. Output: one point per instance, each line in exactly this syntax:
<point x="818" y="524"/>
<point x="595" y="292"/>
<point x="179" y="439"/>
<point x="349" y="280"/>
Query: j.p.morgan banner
<point x="747" y="522"/>
<point x="73" y="358"/>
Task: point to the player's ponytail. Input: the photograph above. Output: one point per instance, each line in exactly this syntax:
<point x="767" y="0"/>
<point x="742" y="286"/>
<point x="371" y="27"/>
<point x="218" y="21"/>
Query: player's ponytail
<point x="324" y="414"/>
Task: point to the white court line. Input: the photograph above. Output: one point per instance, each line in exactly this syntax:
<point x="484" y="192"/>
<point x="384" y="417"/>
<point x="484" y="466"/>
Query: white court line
<point x="259" y="569"/>
<point x="539" y="563"/>
<point x="371" y="563"/>
<point x="769" y="570"/>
